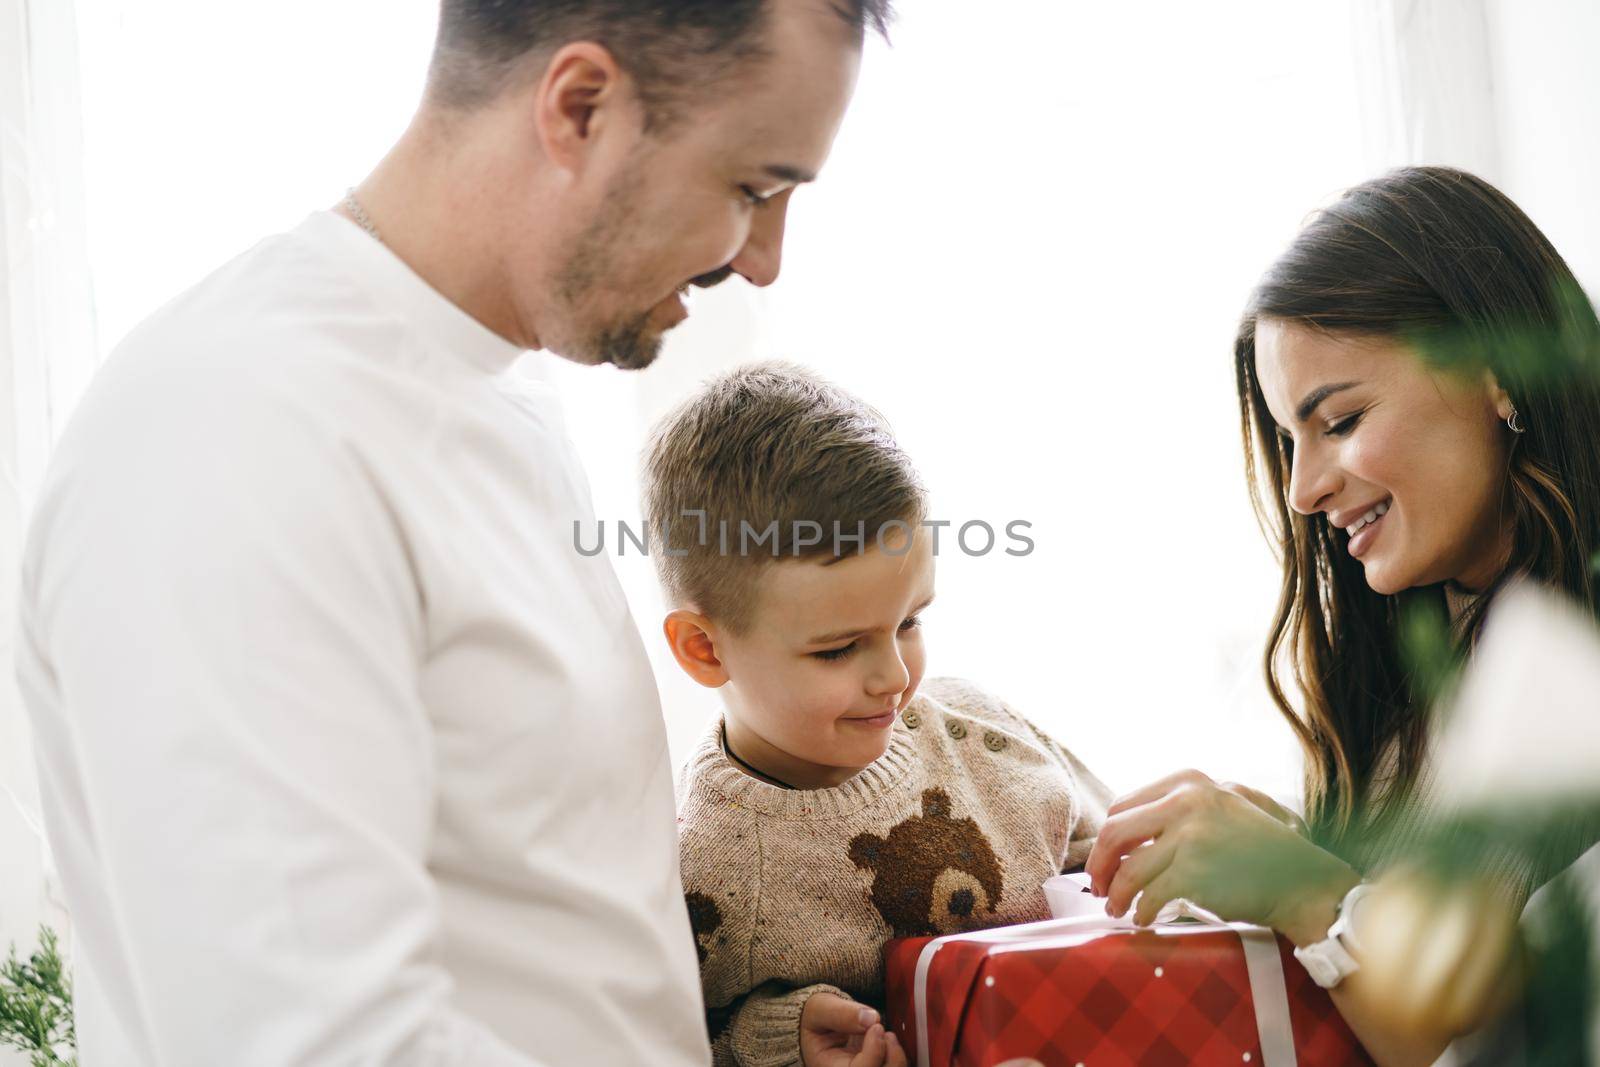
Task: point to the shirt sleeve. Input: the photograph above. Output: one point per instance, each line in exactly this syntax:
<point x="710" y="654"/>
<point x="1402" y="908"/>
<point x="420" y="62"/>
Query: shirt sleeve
<point x="229" y="638"/>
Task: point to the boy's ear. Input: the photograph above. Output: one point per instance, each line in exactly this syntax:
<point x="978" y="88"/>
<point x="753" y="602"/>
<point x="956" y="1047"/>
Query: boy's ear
<point x="689" y="635"/>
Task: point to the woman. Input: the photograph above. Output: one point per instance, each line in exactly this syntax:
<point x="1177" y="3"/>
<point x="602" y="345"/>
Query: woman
<point x="1392" y="484"/>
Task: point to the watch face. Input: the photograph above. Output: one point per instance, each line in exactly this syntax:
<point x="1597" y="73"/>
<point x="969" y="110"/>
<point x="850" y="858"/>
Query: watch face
<point x="1349" y="933"/>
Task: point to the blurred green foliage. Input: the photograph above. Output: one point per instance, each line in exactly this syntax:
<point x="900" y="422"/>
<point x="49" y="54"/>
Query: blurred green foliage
<point x="36" y="1005"/>
<point x="1533" y="353"/>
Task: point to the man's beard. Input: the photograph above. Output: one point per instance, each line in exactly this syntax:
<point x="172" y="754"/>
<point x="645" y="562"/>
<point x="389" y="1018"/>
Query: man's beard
<point x="630" y="344"/>
<point x="633" y="345"/>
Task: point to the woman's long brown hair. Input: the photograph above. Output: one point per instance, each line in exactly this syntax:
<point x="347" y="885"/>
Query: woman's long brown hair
<point x="1440" y="259"/>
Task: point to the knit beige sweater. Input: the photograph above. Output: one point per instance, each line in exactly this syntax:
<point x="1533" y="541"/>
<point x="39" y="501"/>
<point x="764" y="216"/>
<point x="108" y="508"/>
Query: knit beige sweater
<point x="795" y="892"/>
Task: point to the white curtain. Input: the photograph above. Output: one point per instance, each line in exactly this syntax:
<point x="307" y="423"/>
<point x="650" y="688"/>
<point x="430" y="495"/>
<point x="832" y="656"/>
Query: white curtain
<point x="1503" y="88"/>
<point x="47" y="354"/>
<point x="1425" y="79"/>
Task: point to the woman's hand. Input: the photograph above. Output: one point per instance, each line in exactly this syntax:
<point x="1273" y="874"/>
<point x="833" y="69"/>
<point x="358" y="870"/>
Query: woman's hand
<point x="1230" y="850"/>
<point x="835" y="1032"/>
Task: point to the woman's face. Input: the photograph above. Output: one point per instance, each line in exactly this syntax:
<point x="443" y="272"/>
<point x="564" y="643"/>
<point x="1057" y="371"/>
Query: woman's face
<point x="1378" y="433"/>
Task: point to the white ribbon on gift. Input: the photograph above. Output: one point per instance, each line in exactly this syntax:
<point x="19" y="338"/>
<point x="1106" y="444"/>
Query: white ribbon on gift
<point x="1264" y="966"/>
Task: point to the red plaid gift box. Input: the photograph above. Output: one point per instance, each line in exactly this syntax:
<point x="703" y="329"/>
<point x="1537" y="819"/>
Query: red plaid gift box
<point x="1100" y="993"/>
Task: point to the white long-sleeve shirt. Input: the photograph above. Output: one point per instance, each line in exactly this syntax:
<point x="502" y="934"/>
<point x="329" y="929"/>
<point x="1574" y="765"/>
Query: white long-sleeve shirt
<point x="347" y="755"/>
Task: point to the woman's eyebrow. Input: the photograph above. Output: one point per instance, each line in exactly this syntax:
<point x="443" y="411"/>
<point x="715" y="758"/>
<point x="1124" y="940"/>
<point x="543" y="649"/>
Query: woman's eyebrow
<point x="1315" y="398"/>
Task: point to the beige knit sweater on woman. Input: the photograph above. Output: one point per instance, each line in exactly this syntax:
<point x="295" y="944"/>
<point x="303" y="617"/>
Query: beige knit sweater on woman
<point x="794" y="892"/>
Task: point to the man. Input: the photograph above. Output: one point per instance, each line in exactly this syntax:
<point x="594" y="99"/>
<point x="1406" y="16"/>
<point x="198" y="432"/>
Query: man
<point x="347" y="756"/>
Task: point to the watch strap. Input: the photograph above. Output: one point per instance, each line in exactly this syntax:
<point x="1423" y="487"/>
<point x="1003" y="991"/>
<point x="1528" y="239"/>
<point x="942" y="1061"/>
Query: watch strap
<point x="1330" y="961"/>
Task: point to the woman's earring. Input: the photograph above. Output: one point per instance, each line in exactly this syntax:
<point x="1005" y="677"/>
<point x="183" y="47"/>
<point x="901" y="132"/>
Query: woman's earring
<point x="1514" y="421"/>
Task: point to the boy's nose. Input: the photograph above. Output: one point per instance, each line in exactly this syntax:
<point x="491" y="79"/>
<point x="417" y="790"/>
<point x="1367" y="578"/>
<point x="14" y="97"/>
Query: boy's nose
<point x="889" y="676"/>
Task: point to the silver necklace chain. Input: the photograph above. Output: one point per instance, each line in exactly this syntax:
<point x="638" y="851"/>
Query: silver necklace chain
<point x="357" y="212"/>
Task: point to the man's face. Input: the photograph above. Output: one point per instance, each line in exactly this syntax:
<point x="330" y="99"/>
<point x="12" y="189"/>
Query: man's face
<point x="706" y="198"/>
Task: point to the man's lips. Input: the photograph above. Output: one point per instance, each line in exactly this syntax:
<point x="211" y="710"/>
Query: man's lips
<point x="715" y="278"/>
<point x="676" y="305"/>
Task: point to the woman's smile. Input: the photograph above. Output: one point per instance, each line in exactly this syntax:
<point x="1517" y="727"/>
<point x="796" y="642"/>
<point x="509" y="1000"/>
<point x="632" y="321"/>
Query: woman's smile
<point x="1363" y="526"/>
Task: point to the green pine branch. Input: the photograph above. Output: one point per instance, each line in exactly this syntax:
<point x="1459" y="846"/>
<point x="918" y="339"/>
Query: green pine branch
<point x="36" y="1005"/>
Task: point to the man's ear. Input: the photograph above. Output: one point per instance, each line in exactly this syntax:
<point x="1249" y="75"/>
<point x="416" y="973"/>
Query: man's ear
<point x="582" y="90"/>
<point x="691" y="637"/>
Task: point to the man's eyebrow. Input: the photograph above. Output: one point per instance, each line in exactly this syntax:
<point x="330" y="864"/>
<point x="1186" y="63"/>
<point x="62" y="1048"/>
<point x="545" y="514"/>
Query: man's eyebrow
<point x="793" y="175"/>
<point x="1315" y="398"/>
<point x="840" y="635"/>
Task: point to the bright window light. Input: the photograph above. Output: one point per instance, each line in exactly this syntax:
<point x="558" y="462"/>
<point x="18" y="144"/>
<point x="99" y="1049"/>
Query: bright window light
<point x="1029" y="250"/>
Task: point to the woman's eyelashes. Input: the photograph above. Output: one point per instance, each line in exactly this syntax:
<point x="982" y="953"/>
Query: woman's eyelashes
<point x="1343" y="427"/>
<point x="829" y="655"/>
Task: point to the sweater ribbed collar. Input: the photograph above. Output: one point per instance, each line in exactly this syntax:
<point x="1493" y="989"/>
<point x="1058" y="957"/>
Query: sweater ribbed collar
<point x="711" y="765"/>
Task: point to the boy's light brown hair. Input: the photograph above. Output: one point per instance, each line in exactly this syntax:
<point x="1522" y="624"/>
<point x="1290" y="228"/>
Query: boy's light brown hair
<point x="768" y="449"/>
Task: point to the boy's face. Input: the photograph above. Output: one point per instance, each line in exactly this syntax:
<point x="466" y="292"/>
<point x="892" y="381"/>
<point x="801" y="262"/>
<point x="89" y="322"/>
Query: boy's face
<point x="833" y="656"/>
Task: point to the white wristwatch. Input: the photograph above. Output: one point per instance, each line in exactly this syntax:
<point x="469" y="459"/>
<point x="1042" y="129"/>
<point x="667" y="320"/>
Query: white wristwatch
<point x="1334" y="958"/>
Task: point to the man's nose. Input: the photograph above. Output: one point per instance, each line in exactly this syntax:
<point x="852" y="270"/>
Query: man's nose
<point x="759" y="261"/>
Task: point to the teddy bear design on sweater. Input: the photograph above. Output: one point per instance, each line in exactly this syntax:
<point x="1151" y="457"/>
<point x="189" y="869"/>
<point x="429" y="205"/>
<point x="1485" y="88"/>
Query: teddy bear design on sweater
<point x="706" y="919"/>
<point x="933" y="874"/>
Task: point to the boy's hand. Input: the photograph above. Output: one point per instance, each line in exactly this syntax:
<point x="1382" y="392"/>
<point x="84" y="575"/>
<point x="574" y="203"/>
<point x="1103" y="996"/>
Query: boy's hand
<point x="835" y="1032"/>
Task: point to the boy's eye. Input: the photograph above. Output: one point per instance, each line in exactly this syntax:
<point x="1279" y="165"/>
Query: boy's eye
<point x="831" y="654"/>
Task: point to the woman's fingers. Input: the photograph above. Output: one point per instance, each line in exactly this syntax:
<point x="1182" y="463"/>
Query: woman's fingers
<point x="1126" y="831"/>
<point x="1157" y="895"/>
<point x="1157" y="789"/>
<point x="897" y="1052"/>
<point x="1265" y="803"/>
<point x="1143" y="866"/>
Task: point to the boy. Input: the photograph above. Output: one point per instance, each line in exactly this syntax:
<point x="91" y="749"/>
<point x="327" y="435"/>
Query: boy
<point x="837" y="802"/>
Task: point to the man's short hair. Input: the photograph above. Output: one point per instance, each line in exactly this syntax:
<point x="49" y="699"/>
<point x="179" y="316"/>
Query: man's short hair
<point x="736" y="475"/>
<point x="668" y="47"/>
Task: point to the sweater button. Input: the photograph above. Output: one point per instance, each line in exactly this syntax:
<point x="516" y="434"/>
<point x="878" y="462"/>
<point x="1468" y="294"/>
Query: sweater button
<point x="993" y="741"/>
<point x="957" y="730"/>
<point x="911" y="719"/>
